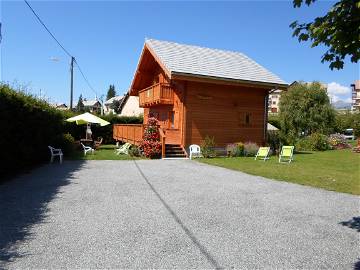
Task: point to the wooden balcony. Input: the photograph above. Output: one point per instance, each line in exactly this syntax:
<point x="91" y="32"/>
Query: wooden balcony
<point x="132" y="133"/>
<point x="157" y="94"/>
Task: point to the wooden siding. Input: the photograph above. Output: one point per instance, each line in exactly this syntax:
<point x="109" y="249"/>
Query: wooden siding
<point x="222" y="111"/>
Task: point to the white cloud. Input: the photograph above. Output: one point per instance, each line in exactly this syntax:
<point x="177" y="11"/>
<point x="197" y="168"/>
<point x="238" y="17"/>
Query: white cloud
<point x="334" y="88"/>
<point x="348" y="100"/>
<point x="333" y="98"/>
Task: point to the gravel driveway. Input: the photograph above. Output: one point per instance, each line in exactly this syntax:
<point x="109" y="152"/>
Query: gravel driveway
<point x="172" y="214"/>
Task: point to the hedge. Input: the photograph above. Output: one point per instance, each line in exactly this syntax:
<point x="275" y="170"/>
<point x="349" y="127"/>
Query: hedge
<point x="28" y="125"/>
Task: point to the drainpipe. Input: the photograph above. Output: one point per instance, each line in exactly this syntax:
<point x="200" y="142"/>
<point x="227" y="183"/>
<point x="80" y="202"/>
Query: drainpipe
<point x="266" y="100"/>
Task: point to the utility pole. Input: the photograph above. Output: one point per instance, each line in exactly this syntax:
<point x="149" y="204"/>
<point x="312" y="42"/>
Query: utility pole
<point x="71" y="81"/>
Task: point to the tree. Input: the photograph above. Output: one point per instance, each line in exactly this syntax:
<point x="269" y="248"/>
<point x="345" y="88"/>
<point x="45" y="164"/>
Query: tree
<point x="339" y="30"/>
<point x="80" y="104"/>
<point x="348" y="120"/>
<point x="305" y="109"/>
<point x="111" y="92"/>
<point x="116" y="106"/>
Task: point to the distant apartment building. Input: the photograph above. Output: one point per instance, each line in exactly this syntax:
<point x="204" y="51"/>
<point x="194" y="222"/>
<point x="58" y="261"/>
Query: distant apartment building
<point x="355" y="92"/>
<point x="274" y="100"/>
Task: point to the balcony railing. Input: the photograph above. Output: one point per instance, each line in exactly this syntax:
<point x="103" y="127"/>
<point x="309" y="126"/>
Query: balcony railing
<point x="160" y="93"/>
<point x="131" y="133"/>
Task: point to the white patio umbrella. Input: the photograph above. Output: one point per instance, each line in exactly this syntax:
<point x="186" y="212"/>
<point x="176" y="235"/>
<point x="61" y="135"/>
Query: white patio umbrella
<point x="88" y="118"/>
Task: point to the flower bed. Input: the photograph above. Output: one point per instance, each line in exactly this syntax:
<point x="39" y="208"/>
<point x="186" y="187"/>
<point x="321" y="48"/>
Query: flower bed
<point x="151" y="145"/>
<point x="338" y="141"/>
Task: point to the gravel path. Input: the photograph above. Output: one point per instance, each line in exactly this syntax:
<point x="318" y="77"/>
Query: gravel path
<point x="172" y="214"/>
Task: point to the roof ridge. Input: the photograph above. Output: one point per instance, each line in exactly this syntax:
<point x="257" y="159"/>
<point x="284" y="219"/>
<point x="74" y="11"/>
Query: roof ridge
<point x="197" y="46"/>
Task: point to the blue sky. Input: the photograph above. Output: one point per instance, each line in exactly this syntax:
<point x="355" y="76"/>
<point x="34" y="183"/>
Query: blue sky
<point x="107" y="37"/>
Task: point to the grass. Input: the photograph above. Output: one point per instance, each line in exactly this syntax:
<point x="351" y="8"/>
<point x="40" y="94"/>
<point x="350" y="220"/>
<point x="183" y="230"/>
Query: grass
<point x="337" y="170"/>
<point x="105" y="152"/>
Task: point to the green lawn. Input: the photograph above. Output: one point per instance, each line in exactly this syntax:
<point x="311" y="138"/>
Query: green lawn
<point x="337" y="170"/>
<point x="105" y="152"/>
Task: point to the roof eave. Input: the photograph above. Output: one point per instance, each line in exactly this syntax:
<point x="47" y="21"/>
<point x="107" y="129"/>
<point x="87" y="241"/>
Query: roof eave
<point x="198" y="77"/>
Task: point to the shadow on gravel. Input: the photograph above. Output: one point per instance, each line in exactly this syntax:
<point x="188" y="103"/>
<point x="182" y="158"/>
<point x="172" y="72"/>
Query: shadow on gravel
<point x="353" y="223"/>
<point x="189" y="233"/>
<point x="23" y="203"/>
<point x="357" y="265"/>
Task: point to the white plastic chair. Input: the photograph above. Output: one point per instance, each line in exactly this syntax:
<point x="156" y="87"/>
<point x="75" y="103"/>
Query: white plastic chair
<point x="195" y="151"/>
<point x="124" y="149"/>
<point x="87" y="149"/>
<point x="55" y="152"/>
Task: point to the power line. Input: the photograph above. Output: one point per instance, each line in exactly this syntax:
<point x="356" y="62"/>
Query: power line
<point x="85" y="79"/>
<point x="47" y="29"/>
<point x="62" y="47"/>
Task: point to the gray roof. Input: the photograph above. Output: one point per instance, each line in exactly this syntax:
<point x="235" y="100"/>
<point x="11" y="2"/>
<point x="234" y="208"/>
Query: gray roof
<point x="270" y="127"/>
<point x="89" y="103"/>
<point x="111" y="100"/>
<point x="200" y="61"/>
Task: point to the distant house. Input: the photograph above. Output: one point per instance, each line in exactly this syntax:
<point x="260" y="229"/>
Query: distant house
<point x="196" y="92"/>
<point x="130" y="106"/>
<point x="93" y="106"/>
<point x="59" y="106"/>
<point x="108" y="105"/>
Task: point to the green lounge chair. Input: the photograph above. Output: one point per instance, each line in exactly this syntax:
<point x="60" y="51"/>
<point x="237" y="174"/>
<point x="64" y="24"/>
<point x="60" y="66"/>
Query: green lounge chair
<point x="263" y="153"/>
<point x="124" y="149"/>
<point x="286" y="154"/>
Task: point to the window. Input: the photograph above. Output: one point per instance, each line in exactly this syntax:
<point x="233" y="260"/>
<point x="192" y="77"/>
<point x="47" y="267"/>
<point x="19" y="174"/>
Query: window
<point x="274" y="102"/>
<point x="247" y="118"/>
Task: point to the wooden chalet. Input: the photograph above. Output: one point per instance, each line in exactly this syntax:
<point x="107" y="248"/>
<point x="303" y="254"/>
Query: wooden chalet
<point x="195" y="92"/>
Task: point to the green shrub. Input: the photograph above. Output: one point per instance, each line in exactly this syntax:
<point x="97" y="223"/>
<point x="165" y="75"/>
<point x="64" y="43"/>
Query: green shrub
<point x="303" y="144"/>
<point x="207" y="147"/>
<point x="356" y="124"/>
<point x="250" y="149"/>
<point x="235" y="149"/>
<point x="319" y="142"/>
<point x="273" y="140"/>
<point x="314" y="142"/>
<point x="134" y="151"/>
<point x="67" y="144"/>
